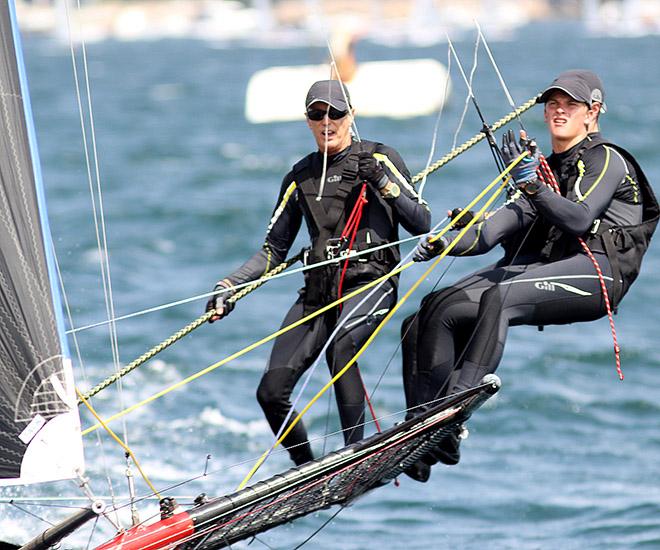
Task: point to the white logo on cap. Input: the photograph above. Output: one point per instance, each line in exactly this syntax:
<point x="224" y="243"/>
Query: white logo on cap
<point x="597" y="95"/>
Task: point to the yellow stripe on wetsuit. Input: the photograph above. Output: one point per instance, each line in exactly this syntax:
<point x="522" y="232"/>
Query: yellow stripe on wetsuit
<point x="581" y="169"/>
<point x="398" y="175"/>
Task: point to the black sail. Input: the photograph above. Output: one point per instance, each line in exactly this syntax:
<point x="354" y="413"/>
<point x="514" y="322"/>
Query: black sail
<point x="37" y="401"/>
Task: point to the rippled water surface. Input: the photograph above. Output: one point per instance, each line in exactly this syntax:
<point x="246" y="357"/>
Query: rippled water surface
<point x="565" y="457"/>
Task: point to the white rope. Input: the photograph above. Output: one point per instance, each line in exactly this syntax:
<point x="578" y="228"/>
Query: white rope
<point x="467" y="81"/>
<point x="286" y="273"/>
<point x="324" y="170"/>
<point x="104" y="462"/>
<point x="497" y="71"/>
<point x="99" y="218"/>
<point x="436" y="128"/>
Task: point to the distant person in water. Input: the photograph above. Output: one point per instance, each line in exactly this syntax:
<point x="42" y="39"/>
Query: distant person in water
<point x="546" y="276"/>
<point x="343" y="52"/>
<point x="323" y="189"/>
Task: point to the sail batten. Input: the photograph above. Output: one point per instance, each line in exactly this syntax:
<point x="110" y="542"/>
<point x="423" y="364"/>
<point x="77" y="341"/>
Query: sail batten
<point x="39" y="424"/>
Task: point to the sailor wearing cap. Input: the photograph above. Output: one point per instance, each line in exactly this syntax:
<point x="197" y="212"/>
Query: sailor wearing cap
<point x="546" y="276"/>
<point x="352" y="195"/>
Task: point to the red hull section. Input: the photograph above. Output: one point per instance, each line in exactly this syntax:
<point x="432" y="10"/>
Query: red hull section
<point x="153" y="537"/>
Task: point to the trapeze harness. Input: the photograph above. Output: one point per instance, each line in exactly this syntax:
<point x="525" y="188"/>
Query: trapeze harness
<point x="624" y="246"/>
<point x="336" y="232"/>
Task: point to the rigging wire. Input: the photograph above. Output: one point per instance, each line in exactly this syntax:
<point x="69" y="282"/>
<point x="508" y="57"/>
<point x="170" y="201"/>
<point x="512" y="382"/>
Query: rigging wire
<point x="96" y="193"/>
<point x="126" y="448"/>
<point x="319" y="529"/>
<point x="497" y="71"/>
<point x="451" y="155"/>
<point x="88" y="164"/>
<point x="92" y="533"/>
<point x="501" y="176"/>
<point x="262" y="279"/>
<point x="305" y="319"/>
<point x="470" y="95"/>
<point x="104" y="459"/>
<point x="436" y="128"/>
<point x="490" y="138"/>
<point x="12" y="503"/>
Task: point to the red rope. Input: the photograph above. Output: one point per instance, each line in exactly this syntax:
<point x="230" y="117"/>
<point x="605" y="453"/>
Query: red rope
<point x="371" y="407"/>
<point x="350" y="232"/>
<point x="547" y="176"/>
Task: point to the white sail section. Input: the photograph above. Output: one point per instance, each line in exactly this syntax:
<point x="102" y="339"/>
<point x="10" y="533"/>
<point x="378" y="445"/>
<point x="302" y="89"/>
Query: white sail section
<point x="40" y="437"/>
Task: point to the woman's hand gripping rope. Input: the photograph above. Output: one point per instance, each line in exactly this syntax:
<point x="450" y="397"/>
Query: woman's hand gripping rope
<point x="505" y="179"/>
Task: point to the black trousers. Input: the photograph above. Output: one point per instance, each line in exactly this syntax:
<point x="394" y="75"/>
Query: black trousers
<point x="459" y="332"/>
<point x="296" y="350"/>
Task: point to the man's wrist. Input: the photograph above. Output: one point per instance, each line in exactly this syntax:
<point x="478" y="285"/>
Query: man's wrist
<point x="390" y="190"/>
<point x="382" y="182"/>
<point x="224" y="284"/>
<point x="530" y="187"/>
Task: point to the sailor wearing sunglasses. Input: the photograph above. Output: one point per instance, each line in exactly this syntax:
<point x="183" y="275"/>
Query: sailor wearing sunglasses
<point x="352" y="195"/>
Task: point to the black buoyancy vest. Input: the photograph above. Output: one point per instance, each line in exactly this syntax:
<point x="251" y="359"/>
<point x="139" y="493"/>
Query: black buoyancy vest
<point x="327" y="219"/>
<point x="624" y="245"/>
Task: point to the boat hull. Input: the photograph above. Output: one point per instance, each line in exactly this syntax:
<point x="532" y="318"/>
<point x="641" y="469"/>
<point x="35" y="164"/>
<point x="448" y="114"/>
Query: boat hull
<point x="393" y="89"/>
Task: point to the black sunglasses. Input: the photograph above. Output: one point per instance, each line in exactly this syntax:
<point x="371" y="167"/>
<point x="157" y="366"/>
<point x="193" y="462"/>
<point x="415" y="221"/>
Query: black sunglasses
<point x="319" y="114"/>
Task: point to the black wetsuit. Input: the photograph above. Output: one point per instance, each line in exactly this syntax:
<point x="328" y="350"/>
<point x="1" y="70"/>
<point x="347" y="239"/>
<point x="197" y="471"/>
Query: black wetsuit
<point x="545" y="278"/>
<point x="296" y="350"/>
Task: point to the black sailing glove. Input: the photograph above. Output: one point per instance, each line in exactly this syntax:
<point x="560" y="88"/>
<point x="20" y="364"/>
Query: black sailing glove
<point x="220" y="302"/>
<point x="370" y="170"/>
<point x="525" y="170"/>
<point x="467" y="217"/>
<point x="426" y="249"/>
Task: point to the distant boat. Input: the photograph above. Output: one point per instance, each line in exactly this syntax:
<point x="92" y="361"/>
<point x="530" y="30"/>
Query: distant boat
<point x="619" y="18"/>
<point x="392" y="89"/>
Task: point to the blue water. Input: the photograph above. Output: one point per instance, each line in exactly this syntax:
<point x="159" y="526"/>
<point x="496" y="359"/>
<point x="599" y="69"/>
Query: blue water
<point x="565" y="457"/>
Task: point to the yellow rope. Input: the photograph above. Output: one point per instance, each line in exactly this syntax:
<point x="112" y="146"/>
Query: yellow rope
<point x="118" y="440"/>
<point x="449" y="248"/>
<point x="474" y="140"/>
<point x="243" y="351"/>
<point x="289" y="327"/>
<point x="206" y="316"/>
<point x="185" y="331"/>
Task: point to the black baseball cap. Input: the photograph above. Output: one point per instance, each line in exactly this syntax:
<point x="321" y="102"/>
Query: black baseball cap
<point x="580" y="84"/>
<point x="331" y="92"/>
